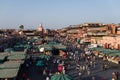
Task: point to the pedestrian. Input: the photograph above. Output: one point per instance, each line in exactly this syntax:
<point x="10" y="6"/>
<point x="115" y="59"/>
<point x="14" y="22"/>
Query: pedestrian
<point x="60" y="68"/>
<point x="58" y="61"/>
<point x="94" y="64"/>
<point x="50" y="74"/>
<point x="83" y="68"/>
<point x="44" y="72"/>
<point x="105" y="67"/>
<point x="91" y="63"/>
<point x="28" y="79"/>
<point x="80" y="68"/>
<point x="93" y="77"/>
<point x="23" y="76"/>
<point x="102" y="67"/>
<point x="88" y="72"/>
<point x="27" y="65"/>
<point x="102" y="78"/>
<point x="117" y="75"/>
<point x="74" y="56"/>
<point x="80" y="74"/>
<point x="114" y="76"/>
<point x="113" y="79"/>
<point x="94" y="58"/>
<point x="47" y="78"/>
<point x="63" y="71"/>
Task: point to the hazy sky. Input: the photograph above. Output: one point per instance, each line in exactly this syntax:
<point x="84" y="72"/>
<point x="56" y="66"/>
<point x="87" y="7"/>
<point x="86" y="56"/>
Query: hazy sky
<point x="57" y="13"/>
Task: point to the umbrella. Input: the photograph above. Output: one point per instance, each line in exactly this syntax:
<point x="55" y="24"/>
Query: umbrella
<point x="78" y="41"/>
<point x="115" y="54"/>
<point x="46" y="47"/>
<point x="40" y="63"/>
<point x="60" y="47"/>
<point x="27" y="46"/>
<point x="18" y="43"/>
<point x="44" y="56"/>
<point x="9" y="50"/>
<point x="52" y="43"/>
<point x="32" y="40"/>
<point x="18" y="48"/>
<point x="61" y="77"/>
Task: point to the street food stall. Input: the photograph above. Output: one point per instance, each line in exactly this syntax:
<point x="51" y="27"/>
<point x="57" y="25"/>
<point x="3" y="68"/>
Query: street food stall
<point x="111" y="55"/>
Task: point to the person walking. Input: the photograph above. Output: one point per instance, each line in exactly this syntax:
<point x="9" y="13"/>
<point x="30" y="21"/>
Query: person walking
<point x="94" y="64"/>
<point x="114" y="77"/>
<point x="80" y="74"/>
<point x="47" y="78"/>
<point x="88" y="72"/>
<point x="93" y="78"/>
<point x="63" y="71"/>
<point x="44" y="72"/>
<point x="23" y="76"/>
<point x="83" y="68"/>
<point x="117" y="75"/>
<point x="102" y="78"/>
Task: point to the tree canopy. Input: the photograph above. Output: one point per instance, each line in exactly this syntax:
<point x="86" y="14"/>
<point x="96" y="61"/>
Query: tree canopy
<point x="21" y="27"/>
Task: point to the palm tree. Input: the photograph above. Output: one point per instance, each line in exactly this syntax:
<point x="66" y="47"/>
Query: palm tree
<point x="21" y="27"/>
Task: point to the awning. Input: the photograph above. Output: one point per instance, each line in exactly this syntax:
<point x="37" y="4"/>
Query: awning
<point x="8" y="73"/>
<point x="16" y="57"/>
<point x="60" y="47"/>
<point x="10" y="65"/>
<point x="61" y="77"/>
<point x="46" y="47"/>
<point x="44" y="56"/>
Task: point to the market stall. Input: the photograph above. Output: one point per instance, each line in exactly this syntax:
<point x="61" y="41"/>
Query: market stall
<point x="3" y="57"/>
<point x="10" y="65"/>
<point x="111" y="55"/>
<point x="16" y="57"/>
<point x="8" y="74"/>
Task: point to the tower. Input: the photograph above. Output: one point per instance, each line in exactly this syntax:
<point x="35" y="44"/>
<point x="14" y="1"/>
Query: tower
<point x="40" y="28"/>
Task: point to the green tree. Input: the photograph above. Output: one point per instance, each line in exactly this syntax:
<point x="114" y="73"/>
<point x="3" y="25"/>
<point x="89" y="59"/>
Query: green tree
<point x="21" y="27"/>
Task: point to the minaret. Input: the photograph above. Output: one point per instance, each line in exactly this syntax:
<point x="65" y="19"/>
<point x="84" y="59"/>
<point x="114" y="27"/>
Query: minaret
<point x="40" y="28"/>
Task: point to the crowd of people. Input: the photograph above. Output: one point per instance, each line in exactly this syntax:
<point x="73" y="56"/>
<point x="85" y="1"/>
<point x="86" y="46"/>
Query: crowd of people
<point x="85" y="63"/>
